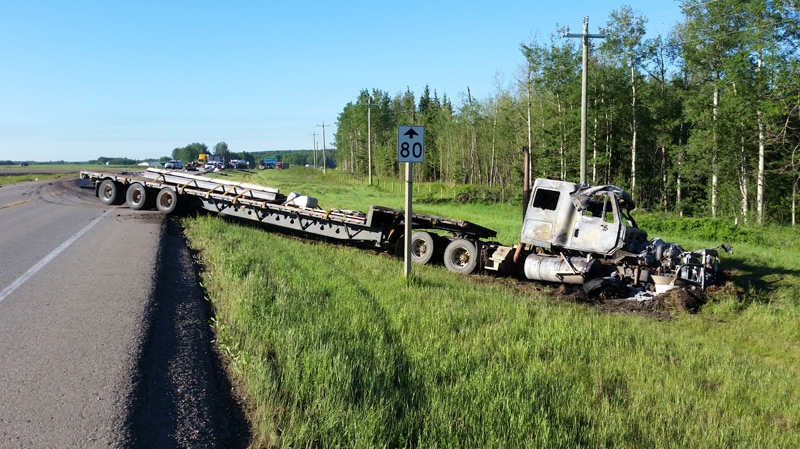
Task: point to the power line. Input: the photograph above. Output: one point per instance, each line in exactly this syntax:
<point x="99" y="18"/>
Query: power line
<point x="730" y="33"/>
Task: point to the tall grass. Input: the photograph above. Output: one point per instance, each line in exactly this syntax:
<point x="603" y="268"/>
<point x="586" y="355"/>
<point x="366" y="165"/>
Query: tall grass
<point x="332" y="347"/>
<point x="344" y="192"/>
<point x="7" y="179"/>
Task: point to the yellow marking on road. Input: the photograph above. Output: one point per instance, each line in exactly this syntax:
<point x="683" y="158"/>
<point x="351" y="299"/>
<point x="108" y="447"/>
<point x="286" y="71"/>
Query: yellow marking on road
<point x="17" y="203"/>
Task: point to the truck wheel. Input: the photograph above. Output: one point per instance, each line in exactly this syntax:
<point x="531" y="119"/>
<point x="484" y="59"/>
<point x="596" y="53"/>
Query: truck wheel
<point x="422" y="247"/>
<point x="167" y="201"/>
<point x="110" y="192"/>
<point x="605" y="288"/>
<point x="138" y="197"/>
<point x="461" y="256"/>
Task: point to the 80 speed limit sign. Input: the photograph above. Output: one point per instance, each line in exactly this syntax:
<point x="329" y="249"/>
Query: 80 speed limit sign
<point x="410" y="143"/>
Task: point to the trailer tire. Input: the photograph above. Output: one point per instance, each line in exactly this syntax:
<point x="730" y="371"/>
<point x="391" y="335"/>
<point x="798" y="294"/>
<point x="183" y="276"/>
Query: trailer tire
<point x="110" y="192"/>
<point x="167" y="201"/>
<point x="605" y="288"/>
<point x="139" y="197"/>
<point x="423" y="247"/>
<point x="461" y="256"/>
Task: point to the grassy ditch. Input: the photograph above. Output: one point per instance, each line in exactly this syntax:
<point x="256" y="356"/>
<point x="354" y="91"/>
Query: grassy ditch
<point x="13" y="174"/>
<point x="8" y="179"/>
<point x="332" y="347"/>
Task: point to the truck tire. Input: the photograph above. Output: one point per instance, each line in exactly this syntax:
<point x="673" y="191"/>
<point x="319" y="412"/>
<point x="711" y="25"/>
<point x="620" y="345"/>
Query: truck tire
<point x="605" y="288"/>
<point x="461" y="256"/>
<point x="110" y="192"/>
<point x="422" y="247"/>
<point x="167" y="201"/>
<point x="138" y="197"/>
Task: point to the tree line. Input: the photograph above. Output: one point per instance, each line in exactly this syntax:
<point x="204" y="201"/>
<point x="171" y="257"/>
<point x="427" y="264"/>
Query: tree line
<point x="702" y="120"/>
<point x="222" y="152"/>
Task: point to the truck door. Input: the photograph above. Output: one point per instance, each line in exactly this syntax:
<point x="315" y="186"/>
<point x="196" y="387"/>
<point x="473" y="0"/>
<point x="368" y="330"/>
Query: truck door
<point x="541" y="217"/>
<point x="596" y="228"/>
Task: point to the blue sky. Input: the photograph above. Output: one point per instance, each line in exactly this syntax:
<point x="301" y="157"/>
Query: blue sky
<point x="85" y="79"/>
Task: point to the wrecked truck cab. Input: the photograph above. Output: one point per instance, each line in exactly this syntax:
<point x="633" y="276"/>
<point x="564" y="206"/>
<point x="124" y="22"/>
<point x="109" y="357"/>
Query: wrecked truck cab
<point x="579" y="234"/>
<point x="579" y="218"/>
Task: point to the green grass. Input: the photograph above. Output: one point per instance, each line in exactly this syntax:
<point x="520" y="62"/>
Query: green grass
<point x="66" y="166"/>
<point x="13" y="174"/>
<point x="333" y="347"/>
<point x="8" y="179"/>
<point x="336" y="190"/>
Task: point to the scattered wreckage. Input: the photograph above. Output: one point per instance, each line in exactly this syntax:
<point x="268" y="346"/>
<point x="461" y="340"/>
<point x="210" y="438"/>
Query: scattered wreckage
<point x="578" y="234"/>
<point x="571" y="233"/>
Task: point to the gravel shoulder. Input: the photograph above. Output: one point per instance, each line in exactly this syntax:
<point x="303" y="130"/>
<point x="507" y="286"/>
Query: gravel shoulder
<point x="182" y="396"/>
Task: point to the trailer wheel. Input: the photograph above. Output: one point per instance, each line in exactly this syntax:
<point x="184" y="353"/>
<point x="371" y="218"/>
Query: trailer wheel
<point x="110" y="192"/>
<point x="461" y="256"/>
<point x="138" y="197"/>
<point x="605" y="288"/>
<point x="422" y="247"/>
<point x="167" y="201"/>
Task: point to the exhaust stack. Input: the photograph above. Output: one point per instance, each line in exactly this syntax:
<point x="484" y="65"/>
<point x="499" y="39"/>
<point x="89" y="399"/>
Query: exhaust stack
<point x="526" y="193"/>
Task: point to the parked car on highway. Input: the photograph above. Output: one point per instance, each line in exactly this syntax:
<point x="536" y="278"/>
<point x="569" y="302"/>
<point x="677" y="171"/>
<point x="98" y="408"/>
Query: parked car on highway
<point x="175" y="165"/>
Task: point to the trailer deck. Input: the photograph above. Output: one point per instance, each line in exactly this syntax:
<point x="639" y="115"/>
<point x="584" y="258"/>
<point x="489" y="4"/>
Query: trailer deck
<point x="169" y="191"/>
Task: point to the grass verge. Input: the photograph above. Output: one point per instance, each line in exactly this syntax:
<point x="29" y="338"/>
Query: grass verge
<point x="8" y="179"/>
<point x="332" y="347"/>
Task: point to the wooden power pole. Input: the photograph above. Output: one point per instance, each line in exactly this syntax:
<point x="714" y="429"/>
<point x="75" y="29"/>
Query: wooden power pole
<point x="369" y="135"/>
<point x="315" y="148"/>
<point x="324" y="159"/>
<point x="585" y="36"/>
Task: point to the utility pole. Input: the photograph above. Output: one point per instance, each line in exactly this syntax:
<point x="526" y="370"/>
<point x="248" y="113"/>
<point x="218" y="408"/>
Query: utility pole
<point x="315" y="148"/>
<point x="324" y="159"/>
<point x="584" y="83"/>
<point x="369" y="135"/>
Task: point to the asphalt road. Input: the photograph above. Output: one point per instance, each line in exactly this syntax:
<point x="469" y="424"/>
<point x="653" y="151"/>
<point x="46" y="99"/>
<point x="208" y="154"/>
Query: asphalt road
<point x="104" y="339"/>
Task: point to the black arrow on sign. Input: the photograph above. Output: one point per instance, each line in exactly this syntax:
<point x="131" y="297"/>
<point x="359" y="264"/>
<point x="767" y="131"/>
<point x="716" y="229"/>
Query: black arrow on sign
<point x="410" y="133"/>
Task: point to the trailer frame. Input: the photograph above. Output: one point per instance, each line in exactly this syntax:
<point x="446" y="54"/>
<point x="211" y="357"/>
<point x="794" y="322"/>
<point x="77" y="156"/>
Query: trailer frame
<point x="170" y="191"/>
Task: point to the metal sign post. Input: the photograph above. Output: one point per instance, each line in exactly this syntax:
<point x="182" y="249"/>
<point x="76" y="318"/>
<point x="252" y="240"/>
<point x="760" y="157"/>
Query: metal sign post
<point x="410" y="149"/>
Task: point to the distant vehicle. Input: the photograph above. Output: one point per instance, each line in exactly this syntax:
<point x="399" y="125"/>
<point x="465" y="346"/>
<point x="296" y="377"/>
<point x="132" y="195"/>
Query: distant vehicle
<point x="268" y="163"/>
<point x="174" y="165"/>
<point x="238" y="164"/>
<point x="23" y="164"/>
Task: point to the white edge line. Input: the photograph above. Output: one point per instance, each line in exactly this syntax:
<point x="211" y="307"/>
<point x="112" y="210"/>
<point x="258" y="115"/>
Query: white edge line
<point x="39" y="265"/>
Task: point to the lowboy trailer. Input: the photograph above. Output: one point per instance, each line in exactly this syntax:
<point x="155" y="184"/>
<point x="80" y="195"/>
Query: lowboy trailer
<point x="174" y="191"/>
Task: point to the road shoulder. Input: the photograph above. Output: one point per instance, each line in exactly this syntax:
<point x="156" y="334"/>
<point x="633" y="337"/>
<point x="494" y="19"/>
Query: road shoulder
<point x="182" y="396"/>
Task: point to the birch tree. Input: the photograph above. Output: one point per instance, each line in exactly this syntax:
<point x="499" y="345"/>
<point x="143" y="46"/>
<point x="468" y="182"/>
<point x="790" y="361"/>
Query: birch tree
<point x="707" y="37"/>
<point x="625" y="39"/>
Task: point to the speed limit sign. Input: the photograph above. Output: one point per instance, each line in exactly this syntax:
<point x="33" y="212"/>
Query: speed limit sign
<point x="410" y="143"/>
